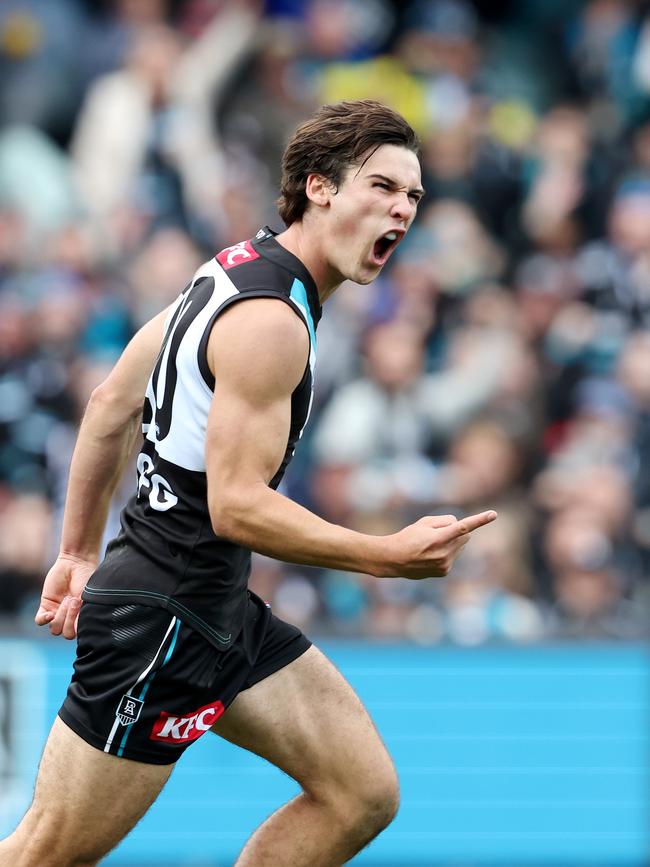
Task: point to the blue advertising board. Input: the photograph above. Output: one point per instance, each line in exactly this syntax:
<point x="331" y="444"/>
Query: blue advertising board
<point x="506" y="755"/>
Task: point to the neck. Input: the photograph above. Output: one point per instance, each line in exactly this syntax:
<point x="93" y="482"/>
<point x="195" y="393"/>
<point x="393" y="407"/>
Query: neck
<point x="300" y="240"/>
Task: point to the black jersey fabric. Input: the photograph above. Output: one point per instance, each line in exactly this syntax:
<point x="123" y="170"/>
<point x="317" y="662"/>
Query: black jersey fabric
<point x="167" y="554"/>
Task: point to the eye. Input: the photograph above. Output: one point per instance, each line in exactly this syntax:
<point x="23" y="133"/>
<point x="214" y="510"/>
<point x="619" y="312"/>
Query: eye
<point x="382" y="185"/>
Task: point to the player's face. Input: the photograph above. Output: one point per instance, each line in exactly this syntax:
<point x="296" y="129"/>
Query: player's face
<point x="372" y="211"/>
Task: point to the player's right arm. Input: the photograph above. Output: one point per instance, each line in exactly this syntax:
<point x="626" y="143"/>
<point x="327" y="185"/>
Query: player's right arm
<point x="258" y="351"/>
<point x="105" y="441"/>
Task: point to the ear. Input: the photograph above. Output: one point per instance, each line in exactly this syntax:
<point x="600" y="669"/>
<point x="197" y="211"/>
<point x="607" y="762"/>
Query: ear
<point x="319" y="190"/>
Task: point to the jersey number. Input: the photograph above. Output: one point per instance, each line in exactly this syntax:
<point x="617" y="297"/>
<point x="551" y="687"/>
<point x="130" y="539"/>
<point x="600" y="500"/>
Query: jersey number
<point x="161" y="496"/>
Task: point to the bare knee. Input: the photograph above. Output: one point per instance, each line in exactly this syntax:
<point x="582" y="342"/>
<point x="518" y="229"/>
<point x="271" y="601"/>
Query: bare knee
<point x="363" y="803"/>
<point x="45" y="839"/>
<point x="377" y="798"/>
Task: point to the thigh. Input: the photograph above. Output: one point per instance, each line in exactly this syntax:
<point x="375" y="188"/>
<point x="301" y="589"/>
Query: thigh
<point x="307" y="720"/>
<point x="86" y="800"/>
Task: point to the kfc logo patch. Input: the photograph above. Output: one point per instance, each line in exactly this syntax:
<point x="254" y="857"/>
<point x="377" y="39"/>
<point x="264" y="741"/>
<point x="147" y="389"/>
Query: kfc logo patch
<point x="181" y="729"/>
<point x="235" y="255"/>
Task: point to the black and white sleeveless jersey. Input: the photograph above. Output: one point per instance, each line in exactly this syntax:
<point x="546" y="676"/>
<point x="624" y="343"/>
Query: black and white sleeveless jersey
<point x="167" y="554"/>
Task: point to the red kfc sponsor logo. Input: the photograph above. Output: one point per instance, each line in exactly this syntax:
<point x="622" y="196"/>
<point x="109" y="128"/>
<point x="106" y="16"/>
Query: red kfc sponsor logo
<point x="235" y="255"/>
<point x="180" y="729"/>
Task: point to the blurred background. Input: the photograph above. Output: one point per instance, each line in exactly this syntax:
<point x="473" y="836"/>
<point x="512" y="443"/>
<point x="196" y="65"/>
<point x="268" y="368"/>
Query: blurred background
<point x="501" y="361"/>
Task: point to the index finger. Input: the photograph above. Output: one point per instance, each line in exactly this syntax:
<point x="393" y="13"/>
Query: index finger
<point x="469" y="524"/>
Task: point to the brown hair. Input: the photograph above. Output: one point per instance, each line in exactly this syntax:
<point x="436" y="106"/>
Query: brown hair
<point x="338" y="136"/>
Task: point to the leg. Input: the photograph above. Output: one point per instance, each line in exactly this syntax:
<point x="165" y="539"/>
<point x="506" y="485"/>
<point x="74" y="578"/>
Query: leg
<point x="85" y="802"/>
<point x="307" y="720"/>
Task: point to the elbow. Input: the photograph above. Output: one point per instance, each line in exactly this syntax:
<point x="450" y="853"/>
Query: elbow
<point x="100" y="396"/>
<point x="226" y="520"/>
<point x="221" y="525"/>
<point x="105" y="397"/>
<point x="113" y="404"/>
<point x="238" y="507"/>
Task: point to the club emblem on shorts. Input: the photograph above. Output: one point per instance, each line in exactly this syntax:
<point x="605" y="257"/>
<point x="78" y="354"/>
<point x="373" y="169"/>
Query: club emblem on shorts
<point x="128" y="710"/>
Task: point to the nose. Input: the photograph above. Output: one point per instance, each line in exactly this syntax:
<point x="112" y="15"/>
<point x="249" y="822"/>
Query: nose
<point x="403" y="207"/>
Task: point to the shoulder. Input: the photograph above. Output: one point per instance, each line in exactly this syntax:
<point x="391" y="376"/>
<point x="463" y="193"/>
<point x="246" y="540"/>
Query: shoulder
<point x="258" y="318"/>
<point x="264" y="335"/>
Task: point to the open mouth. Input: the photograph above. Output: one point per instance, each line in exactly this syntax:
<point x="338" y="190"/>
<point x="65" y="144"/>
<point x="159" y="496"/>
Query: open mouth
<point x="384" y="246"/>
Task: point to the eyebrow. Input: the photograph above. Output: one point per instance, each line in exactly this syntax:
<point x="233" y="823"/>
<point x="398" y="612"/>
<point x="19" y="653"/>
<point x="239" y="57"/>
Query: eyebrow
<point x="417" y="190"/>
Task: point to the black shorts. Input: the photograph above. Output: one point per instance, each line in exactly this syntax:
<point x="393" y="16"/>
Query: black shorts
<point x="145" y="685"/>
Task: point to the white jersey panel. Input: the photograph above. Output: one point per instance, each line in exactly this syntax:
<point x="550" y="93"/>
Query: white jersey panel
<point x="183" y="443"/>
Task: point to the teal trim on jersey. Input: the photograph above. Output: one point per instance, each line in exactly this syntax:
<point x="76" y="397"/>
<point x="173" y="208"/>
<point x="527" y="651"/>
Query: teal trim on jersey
<point x="299" y="295"/>
<point x="147" y="684"/>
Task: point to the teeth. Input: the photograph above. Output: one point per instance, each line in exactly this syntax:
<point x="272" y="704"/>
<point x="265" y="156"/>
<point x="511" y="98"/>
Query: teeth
<point x="391" y="236"/>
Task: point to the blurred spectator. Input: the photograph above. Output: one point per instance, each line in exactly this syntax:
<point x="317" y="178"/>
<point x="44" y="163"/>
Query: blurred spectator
<point x="39" y="64"/>
<point x="485" y="465"/>
<point x="602" y="40"/>
<point x="164" y="262"/>
<point x="591" y="605"/>
<point x="110" y="29"/>
<point x="144" y="137"/>
<point x="558" y="180"/>
<point x="461" y="253"/>
<point x="35" y="181"/>
<point x="24" y="535"/>
<point x="371" y="440"/>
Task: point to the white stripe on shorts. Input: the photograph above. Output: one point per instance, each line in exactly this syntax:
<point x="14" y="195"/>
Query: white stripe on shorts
<point x="109" y="742"/>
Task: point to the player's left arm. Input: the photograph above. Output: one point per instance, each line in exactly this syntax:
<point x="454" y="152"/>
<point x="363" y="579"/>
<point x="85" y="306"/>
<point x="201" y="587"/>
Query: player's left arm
<point x="105" y="441"/>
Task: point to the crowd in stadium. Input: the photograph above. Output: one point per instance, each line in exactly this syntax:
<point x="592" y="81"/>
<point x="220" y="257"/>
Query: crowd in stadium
<point x="502" y="360"/>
